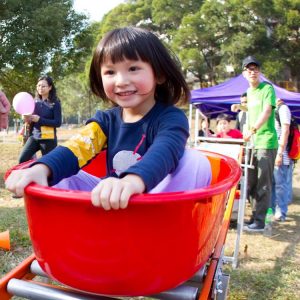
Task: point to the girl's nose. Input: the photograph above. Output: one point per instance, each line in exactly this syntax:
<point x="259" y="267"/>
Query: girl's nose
<point x="122" y="79"/>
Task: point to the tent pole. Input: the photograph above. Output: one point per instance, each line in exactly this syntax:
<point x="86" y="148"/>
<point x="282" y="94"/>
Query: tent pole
<point x="196" y="127"/>
<point x="190" y="115"/>
<point x="190" y="123"/>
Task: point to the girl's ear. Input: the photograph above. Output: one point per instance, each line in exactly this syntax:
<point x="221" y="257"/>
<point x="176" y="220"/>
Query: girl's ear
<point x="161" y="80"/>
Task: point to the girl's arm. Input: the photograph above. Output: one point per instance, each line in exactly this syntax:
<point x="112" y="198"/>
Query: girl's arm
<point x="66" y="160"/>
<point x="162" y="157"/>
<point x="62" y="162"/>
<point x="167" y="137"/>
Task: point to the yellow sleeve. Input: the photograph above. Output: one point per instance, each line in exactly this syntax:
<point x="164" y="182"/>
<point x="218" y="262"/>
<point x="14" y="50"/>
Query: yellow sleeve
<point x="87" y="143"/>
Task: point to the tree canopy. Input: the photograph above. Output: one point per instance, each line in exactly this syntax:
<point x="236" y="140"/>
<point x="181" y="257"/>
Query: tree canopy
<point x="211" y="37"/>
<point x="39" y="37"/>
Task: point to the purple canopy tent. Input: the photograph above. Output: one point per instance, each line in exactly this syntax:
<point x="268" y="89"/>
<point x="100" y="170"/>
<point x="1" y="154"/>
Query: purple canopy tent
<point x="217" y="99"/>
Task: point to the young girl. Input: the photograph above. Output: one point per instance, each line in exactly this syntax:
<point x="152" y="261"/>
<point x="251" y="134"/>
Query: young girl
<point x="205" y="130"/>
<point x="43" y="122"/>
<point x="224" y="130"/>
<point x="144" y="134"/>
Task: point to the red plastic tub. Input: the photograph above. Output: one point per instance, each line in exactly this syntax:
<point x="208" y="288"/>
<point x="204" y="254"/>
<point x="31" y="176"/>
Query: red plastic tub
<point x="155" y="244"/>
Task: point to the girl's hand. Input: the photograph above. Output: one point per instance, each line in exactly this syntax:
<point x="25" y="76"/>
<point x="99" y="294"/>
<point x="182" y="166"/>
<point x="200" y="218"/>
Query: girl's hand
<point x="19" y="179"/>
<point x="114" y="193"/>
<point x="27" y="118"/>
<point x="35" y="118"/>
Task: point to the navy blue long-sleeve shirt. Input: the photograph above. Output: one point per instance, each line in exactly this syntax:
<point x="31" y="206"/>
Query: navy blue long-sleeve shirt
<point x="50" y="119"/>
<point x="150" y="148"/>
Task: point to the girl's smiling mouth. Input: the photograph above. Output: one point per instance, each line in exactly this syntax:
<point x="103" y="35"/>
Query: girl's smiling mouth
<point x="126" y="93"/>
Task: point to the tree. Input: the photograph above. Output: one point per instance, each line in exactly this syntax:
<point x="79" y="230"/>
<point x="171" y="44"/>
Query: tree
<point x="285" y="26"/>
<point x="167" y="14"/>
<point x="77" y="99"/>
<point x="39" y="37"/>
<point x="133" y="12"/>
<point x="209" y="36"/>
<point x="222" y="33"/>
<point x="197" y="47"/>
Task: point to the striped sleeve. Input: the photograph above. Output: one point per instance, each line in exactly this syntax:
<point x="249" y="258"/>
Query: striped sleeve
<point x="65" y="161"/>
<point x="87" y="144"/>
<point x="285" y="118"/>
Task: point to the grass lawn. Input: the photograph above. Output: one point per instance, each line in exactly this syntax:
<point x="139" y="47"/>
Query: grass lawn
<point x="269" y="268"/>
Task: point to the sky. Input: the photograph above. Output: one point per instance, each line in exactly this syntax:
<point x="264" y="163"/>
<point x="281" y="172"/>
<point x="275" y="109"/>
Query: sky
<point x="95" y="8"/>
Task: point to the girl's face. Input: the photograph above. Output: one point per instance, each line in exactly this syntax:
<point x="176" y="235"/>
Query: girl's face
<point x="43" y="88"/>
<point x="223" y="126"/>
<point x="129" y="84"/>
<point x="204" y="124"/>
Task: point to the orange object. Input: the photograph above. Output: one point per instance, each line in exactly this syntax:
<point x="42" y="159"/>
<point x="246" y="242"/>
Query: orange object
<point x="22" y="271"/>
<point x="4" y="240"/>
<point x="211" y="271"/>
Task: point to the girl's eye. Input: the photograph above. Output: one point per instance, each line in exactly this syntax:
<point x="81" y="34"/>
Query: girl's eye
<point x="133" y="68"/>
<point x="108" y="72"/>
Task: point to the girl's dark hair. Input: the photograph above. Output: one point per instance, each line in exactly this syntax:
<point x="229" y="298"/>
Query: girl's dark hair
<point x="136" y="43"/>
<point x="52" y="94"/>
<point x="208" y="121"/>
<point x="225" y="117"/>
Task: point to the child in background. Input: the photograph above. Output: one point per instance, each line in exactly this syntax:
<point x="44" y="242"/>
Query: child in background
<point x="144" y="134"/>
<point x="205" y="130"/>
<point x="224" y="130"/>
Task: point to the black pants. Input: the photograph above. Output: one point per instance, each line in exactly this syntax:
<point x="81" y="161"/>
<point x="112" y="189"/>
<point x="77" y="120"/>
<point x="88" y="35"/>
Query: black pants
<point x="33" y="145"/>
<point x="260" y="179"/>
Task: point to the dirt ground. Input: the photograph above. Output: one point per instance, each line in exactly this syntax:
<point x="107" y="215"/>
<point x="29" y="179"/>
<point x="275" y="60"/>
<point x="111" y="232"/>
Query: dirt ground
<point x="256" y="252"/>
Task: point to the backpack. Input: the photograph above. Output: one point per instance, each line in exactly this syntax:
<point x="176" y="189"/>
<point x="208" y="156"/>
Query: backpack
<point x="293" y="144"/>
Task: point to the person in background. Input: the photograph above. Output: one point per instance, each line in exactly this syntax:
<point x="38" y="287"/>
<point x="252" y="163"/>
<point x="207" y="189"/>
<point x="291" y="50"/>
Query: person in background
<point x="43" y="122"/>
<point x="261" y="102"/>
<point x="144" y="134"/>
<point x="205" y="130"/>
<point x="4" y="111"/>
<point x="224" y="130"/>
<point x="283" y="164"/>
<point x="241" y="118"/>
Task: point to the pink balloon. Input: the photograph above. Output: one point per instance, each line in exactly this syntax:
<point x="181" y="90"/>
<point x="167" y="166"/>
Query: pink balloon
<point x="23" y="103"/>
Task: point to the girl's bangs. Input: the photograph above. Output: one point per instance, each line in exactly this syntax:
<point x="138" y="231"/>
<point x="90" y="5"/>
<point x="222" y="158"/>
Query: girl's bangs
<point x="118" y="50"/>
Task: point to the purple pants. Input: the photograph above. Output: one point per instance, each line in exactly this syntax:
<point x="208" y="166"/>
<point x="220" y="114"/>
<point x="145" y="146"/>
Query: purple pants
<point x="192" y="172"/>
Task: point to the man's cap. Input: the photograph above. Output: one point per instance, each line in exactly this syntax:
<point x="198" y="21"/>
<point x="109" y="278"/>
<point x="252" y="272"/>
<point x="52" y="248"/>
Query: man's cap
<point x="250" y="60"/>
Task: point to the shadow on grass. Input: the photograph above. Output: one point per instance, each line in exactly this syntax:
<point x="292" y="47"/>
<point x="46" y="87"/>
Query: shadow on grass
<point x="282" y="281"/>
